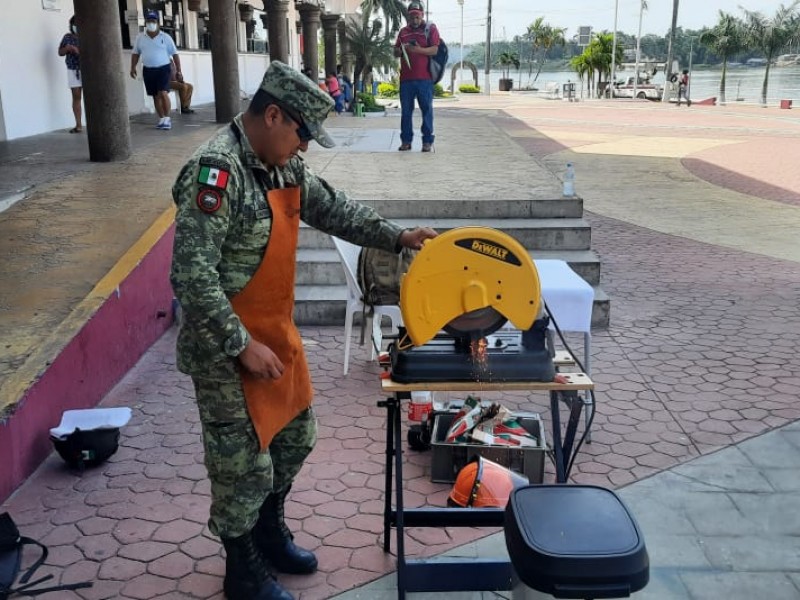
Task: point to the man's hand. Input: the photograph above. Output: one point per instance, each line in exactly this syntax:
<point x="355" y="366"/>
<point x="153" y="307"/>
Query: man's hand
<point x="179" y="77"/>
<point x="414" y="238"/>
<point x="73" y="49"/>
<point x="133" y="73"/>
<point x="261" y="361"/>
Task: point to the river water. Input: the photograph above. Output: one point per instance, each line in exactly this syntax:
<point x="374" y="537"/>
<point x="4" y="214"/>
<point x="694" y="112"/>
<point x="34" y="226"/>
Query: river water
<point x="742" y="83"/>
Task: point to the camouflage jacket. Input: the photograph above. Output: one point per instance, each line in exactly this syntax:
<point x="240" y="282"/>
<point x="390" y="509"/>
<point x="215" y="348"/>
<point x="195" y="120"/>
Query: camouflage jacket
<point x="221" y="235"/>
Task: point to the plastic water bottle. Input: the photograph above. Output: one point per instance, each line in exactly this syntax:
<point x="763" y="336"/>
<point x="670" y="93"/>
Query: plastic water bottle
<point x="569" y="180"/>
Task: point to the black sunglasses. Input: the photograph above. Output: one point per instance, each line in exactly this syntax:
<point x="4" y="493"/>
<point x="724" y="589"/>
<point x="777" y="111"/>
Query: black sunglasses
<point x="303" y="131"/>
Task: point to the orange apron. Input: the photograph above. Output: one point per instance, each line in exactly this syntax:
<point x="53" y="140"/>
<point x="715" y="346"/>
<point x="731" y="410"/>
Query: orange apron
<point x="265" y="306"/>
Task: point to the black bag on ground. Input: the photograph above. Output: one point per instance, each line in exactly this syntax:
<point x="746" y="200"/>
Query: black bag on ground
<point x="11" y="546"/>
<point x="89" y="448"/>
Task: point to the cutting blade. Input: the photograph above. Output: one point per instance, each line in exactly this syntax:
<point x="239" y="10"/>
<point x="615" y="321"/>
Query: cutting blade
<point x="476" y="324"/>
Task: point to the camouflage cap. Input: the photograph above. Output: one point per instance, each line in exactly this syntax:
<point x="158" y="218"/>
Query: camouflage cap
<point x="298" y="93"/>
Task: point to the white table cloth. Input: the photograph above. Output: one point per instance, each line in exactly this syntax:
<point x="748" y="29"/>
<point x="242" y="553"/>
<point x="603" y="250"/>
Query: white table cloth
<point x="567" y="295"/>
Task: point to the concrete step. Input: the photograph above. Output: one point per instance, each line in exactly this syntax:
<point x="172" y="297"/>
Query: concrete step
<point x="490" y="208"/>
<point x="322" y="266"/>
<point x="534" y="234"/>
<point x="325" y="305"/>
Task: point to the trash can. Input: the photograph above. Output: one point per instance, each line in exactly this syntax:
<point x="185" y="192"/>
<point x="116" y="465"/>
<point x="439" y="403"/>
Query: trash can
<point x="786" y="104"/>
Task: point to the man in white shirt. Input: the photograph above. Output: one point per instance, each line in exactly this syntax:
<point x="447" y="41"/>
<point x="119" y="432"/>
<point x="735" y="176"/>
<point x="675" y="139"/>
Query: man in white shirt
<point x="157" y="51"/>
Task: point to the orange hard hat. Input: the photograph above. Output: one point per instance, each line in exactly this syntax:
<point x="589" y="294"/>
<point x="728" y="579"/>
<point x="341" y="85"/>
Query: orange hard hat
<point x="483" y="483"/>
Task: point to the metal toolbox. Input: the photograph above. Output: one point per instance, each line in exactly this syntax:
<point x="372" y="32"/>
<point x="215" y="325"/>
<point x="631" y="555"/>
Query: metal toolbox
<point x="448" y="459"/>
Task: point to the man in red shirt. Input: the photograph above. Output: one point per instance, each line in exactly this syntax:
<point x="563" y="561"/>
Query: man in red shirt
<point x="414" y="47"/>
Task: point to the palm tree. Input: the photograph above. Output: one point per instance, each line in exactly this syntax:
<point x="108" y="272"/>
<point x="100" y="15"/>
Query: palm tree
<point x="597" y="57"/>
<point x="725" y="39"/>
<point x="507" y="60"/>
<point x="394" y="11"/>
<point x="543" y="37"/>
<point x="772" y="35"/>
<point x="599" y="52"/>
<point x="582" y="67"/>
<point x="370" y="47"/>
<point x="672" y="30"/>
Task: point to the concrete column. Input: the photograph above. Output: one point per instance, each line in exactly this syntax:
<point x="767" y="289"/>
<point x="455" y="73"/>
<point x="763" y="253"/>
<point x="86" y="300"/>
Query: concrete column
<point x="329" y="24"/>
<point x="309" y="15"/>
<point x="106" y="104"/>
<point x="277" y="11"/>
<point x="224" y="59"/>
<point x="348" y="58"/>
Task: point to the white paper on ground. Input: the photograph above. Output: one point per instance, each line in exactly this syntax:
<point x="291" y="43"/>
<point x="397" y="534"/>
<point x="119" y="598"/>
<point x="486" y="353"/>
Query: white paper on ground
<point x="89" y="419"/>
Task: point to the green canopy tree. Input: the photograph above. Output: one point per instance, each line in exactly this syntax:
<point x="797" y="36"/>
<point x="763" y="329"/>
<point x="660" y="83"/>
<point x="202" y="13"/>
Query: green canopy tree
<point x="771" y="35"/>
<point x="725" y="39"/>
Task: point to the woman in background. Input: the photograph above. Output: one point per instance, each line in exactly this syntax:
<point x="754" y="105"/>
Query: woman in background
<point x="335" y="92"/>
<point x="69" y="49"/>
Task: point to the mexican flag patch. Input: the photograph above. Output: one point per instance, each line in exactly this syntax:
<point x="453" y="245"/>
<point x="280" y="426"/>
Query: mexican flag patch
<point x="213" y="176"/>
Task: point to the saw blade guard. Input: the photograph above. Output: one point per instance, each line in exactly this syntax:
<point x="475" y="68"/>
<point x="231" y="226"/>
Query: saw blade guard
<point x="466" y="270"/>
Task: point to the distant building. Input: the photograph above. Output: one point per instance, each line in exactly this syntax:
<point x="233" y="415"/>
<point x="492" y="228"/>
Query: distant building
<point x="42" y="103"/>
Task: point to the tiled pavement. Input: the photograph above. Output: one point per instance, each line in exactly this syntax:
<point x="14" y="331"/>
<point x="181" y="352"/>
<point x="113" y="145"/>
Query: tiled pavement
<point x="699" y="356"/>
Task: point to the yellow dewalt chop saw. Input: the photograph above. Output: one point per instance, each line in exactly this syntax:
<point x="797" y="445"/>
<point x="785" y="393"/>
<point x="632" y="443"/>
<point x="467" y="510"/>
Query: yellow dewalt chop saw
<point x="469" y="282"/>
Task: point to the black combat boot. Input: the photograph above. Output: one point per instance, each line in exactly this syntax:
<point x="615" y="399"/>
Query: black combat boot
<point x="276" y="541"/>
<point x="246" y="574"/>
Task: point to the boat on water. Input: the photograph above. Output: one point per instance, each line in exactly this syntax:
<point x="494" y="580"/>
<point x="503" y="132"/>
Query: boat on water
<point x="756" y="62"/>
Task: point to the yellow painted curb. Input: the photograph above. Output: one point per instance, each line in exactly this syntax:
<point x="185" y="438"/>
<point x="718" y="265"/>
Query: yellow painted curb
<point x="15" y="386"/>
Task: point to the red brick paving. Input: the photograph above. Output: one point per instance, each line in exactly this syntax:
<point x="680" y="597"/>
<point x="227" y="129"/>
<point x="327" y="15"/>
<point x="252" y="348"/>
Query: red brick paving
<point x="742" y="183"/>
<point x="701" y="354"/>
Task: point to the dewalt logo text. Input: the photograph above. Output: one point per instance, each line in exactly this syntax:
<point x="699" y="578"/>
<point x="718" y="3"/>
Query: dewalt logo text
<point x="489" y="249"/>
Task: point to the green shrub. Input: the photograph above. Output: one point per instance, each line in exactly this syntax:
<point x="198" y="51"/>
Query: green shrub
<point x="368" y="100"/>
<point x="388" y="90"/>
<point x="438" y="90"/>
<point x="469" y="88"/>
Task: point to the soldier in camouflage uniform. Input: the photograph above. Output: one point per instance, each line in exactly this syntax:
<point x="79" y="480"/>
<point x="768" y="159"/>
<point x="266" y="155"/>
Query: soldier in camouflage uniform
<point x="240" y="199"/>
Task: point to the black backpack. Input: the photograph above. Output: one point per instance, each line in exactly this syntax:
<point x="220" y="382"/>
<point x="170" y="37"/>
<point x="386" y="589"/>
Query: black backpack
<point x="437" y="63"/>
<point x="379" y="275"/>
<point x="11" y="545"/>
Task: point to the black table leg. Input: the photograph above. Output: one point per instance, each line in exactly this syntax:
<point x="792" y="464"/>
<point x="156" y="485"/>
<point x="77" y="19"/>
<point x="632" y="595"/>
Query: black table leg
<point x="558" y="449"/>
<point x="391" y="407"/>
<point x="398" y="456"/>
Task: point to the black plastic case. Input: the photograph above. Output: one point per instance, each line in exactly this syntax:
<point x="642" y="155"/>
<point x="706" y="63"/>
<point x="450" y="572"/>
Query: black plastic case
<point x="575" y="541"/>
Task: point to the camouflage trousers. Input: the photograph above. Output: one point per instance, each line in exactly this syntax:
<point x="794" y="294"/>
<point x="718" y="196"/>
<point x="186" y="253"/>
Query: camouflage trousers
<point x="241" y="475"/>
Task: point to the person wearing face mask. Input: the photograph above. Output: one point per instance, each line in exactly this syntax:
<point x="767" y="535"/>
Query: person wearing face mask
<point x="158" y="52"/>
<point x="240" y="199"/>
<point x="69" y="48"/>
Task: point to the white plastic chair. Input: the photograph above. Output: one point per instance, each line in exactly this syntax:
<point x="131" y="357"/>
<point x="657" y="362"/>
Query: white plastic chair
<point x="348" y="254"/>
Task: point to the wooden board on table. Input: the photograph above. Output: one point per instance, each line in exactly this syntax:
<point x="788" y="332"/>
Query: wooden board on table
<point x="575" y="382"/>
